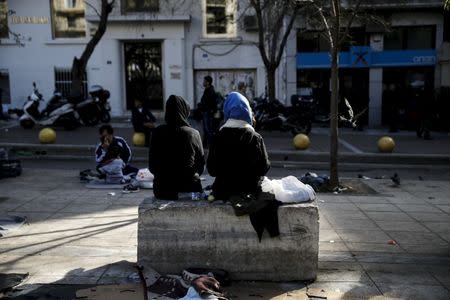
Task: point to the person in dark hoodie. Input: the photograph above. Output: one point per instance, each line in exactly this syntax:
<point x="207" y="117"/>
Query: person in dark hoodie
<point x="237" y="156"/>
<point x="176" y="156"/>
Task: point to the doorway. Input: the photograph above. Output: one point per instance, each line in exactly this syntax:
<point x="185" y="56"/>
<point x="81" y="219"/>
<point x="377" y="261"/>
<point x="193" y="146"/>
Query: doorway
<point x="143" y="74"/>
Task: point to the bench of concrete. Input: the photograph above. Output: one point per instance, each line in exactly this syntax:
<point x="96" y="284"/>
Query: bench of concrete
<point x="174" y="235"/>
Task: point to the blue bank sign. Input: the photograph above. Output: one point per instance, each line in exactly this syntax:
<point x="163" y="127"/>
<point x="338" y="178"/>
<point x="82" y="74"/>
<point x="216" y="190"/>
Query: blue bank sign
<point x="364" y="57"/>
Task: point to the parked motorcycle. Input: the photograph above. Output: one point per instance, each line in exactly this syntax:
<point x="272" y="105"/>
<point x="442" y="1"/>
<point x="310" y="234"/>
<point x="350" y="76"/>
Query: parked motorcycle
<point x="302" y="113"/>
<point x="95" y="108"/>
<point x="57" y="112"/>
<point x="273" y="115"/>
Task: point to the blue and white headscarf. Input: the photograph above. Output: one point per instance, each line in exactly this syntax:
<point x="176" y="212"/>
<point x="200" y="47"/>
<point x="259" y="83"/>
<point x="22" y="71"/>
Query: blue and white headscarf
<point x="237" y="107"/>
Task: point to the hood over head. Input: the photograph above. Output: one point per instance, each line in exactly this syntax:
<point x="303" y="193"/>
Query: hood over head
<point x="177" y="111"/>
<point x="237" y="107"/>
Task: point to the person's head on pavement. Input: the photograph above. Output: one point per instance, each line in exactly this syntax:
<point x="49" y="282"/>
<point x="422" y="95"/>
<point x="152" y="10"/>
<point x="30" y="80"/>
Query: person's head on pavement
<point x="106" y="134"/>
<point x="177" y="112"/>
<point x="237" y="107"/>
<point x="207" y="81"/>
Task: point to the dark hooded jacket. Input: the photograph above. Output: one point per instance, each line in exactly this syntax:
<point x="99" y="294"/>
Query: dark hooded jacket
<point x="176" y="156"/>
<point x="237" y="156"/>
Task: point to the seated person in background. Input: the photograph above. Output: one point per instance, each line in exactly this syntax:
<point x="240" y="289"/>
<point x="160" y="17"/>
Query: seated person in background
<point x="112" y="166"/>
<point x="237" y="157"/>
<point x="143" y="120"/>
<point x="107" y="140"/>
<point x="176" y="156"/>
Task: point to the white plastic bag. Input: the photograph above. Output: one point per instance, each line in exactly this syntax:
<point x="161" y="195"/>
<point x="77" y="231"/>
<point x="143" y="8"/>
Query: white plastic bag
<point x="144" y="175"/>
<point x="288" y="189"/>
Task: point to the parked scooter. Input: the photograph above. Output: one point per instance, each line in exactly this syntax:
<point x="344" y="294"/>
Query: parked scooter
<point x="94" y="108"/>
<point x="57" y="113"/>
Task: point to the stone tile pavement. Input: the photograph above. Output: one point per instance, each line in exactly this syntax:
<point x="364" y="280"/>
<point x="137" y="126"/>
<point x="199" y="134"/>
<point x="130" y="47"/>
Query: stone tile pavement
<point x="84" y="236"/>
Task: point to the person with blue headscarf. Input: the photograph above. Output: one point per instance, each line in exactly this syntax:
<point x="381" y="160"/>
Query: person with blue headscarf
<point x="237" y="156"/>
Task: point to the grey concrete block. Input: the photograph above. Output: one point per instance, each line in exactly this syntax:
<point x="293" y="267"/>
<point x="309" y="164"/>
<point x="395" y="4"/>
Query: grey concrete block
<point x="174" y="235"/>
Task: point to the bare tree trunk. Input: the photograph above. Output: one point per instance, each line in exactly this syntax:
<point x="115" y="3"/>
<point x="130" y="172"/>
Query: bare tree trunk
<point x="79" y="64"/>
<point x="334" y="176"/>
<point x="271" y="83"/>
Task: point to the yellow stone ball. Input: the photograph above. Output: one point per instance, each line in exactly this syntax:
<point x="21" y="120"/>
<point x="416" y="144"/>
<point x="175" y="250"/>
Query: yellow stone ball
<point x="139" y="139"/>
<point x="301" y="141"/>
<point x="386" y="144"/>
<point x="47" y="136"/>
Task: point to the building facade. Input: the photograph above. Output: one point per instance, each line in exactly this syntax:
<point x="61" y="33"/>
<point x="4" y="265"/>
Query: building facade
<point x="155" y="48"/>
<point x="151" y="49"/>
<point x="405" y="48"/>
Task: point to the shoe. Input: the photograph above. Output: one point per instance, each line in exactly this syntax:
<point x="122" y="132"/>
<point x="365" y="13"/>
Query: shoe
<point x="129" y="188"/>
<point x="191" y="274"/>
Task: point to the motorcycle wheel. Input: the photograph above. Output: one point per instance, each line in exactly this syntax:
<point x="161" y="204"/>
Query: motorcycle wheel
<point x="27" y="124"/>
<point x="105" y="117"/>
<point x="70" y="122"/>
<point x="91" y="121"/>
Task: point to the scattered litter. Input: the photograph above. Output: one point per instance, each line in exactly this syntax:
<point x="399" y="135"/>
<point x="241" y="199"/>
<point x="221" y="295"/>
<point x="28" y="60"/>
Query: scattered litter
<point x="321" y="201"/>
<point x="392" y="242"/>
<point x="134" y="277"/>
<point x="125" y="291"/>
<point x="331" y="241"/>
<point x="111" y="194"/>
<point x="363" y="177"/>
<point x="10" y="223"/>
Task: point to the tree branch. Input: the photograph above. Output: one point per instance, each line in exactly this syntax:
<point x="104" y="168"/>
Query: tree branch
<point x="257" y="6"/>
<point x="350" y="22"/>
<point x="93" y="7"/>
<point x="286" y="34"/>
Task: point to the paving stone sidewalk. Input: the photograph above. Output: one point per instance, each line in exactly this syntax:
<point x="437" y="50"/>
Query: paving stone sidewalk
<point x="87" y="236"/>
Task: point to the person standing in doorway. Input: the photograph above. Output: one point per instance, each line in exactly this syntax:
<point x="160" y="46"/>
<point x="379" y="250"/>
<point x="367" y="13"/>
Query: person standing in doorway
<point x="208" y="107"/>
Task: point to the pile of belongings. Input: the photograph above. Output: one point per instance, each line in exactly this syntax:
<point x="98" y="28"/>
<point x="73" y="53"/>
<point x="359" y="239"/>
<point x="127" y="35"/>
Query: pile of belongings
<point x="315" y="181"/>
<point x="193" y="284"/>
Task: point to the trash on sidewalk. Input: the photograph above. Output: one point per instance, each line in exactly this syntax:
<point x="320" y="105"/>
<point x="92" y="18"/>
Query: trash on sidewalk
<point x="363" y="177"/>
<point x="112" y="292"/>
<point x="392" y="242"/>
<point x="111" y="194"/>
<point x="194" y="283"/>
<point x="10" y="223"/>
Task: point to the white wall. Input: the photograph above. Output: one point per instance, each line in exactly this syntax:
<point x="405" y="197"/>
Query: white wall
<point x="35" y="61"/>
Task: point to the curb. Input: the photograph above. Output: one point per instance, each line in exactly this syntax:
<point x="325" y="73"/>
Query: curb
<point x="278" y="157"/>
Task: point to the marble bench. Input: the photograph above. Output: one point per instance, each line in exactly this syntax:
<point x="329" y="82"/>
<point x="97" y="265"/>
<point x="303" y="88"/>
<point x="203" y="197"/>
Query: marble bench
<point x="174" y="235"/>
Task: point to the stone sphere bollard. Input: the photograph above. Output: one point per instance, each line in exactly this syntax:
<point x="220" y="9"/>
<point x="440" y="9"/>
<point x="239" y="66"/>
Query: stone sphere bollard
<point x="47" y="136"/>
<point x="301" y="141"/>
<point x="139" y="139"/>
<point x="386" y="144"/>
